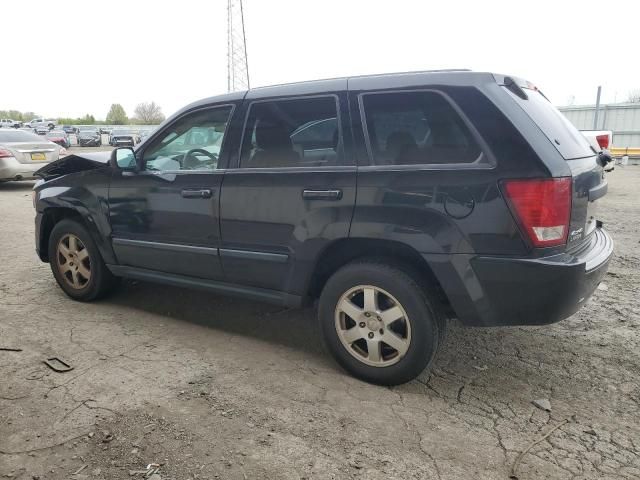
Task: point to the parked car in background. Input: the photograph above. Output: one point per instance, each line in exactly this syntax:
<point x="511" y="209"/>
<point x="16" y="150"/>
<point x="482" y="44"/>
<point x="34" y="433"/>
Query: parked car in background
<point x="443" y="194"/>
<point x="105" y="130"/>
<point x="22" y="153"/>
<point x="41" y="130"/>
<point x="58" y="136"/>
<point x="121" y="138"/>
<point x="8" y="123"/>
<point x="89" y="137"/>
<point x="42" y="122"/>
<point x="70" y="129"/>
<point x="600" y="140"/>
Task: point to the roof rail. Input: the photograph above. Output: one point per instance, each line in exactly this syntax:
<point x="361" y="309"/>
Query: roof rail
<point x="444" y="70"/>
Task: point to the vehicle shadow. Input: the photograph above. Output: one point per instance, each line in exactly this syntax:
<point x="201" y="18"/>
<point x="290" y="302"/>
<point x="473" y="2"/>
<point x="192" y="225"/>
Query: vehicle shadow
<point x="294" y="328"/>
<point x="511" y="353"/>
<point x="16" y="186"/>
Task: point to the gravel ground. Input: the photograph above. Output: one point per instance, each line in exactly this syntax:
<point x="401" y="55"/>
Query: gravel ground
<point x="214" y="387"/>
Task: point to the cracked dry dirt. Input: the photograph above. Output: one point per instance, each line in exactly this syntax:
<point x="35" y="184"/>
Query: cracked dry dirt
<point x="214" y="387"/>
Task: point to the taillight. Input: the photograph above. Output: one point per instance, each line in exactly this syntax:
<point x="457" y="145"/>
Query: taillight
<point x="603" y="140"/>
<point x="5" y="153"/>
<point x="542" y="208"/>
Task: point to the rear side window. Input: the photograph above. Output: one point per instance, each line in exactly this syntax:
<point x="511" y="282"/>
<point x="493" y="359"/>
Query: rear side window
<point x="565" y="137"/>
<point x="411" y="128"/>
<point x="302" y="132"/>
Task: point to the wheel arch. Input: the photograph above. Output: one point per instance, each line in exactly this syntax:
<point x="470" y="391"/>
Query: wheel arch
<point x="346" y="250"/>
<point x="52" y="215"/>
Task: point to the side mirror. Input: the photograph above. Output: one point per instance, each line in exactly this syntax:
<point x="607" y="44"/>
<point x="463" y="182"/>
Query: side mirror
<point x="124" y="159"/>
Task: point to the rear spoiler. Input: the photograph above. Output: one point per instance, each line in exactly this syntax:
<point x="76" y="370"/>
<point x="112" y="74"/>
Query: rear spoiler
<point x="516" y="85"/>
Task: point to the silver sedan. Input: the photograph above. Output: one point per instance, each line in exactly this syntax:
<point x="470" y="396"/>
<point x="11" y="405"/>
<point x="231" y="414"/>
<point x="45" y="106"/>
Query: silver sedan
<point x="22" y="153"/>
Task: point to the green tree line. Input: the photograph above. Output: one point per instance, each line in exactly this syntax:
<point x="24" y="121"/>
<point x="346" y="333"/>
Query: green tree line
<point x="146" y="113"/>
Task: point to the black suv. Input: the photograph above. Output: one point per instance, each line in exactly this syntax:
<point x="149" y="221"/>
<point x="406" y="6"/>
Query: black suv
<point x="397" y="201"/>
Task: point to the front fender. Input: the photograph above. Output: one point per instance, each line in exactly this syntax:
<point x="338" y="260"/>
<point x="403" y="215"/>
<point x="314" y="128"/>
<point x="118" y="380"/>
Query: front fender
<point x="86" y="201"/>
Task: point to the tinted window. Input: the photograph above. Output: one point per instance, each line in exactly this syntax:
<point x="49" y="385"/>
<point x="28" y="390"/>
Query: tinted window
<point x="191" y="143"/>
<point x="18" y="136"/>
<point x="416" y="128"/>
<point x="564" y="136"/>
<point x="291" y="133"/>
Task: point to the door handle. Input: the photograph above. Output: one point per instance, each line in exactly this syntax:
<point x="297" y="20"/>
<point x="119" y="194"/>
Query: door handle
<point x="196" y="193"/>
<point x="322" y="194"/>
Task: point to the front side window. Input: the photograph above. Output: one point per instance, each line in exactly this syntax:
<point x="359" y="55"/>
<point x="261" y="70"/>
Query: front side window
<point x="191" y="143"/>
<point x="411" y="128"/>
<point x="302" y="132"/>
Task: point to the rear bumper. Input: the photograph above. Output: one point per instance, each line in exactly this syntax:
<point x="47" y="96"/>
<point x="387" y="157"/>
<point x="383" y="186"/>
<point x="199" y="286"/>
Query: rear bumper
<point x="89" y="143"/>
<point x="494" y="291"/>
<point x="121" y="142"/>
<point x="11" y="169"/>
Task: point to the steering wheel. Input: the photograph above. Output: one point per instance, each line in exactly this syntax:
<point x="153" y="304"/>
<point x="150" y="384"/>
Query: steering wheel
<point x="201" y="151"/>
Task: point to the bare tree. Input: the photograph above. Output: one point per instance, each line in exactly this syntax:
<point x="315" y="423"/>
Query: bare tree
<point x="634" y="96"/>
<point x="148" y="113"/>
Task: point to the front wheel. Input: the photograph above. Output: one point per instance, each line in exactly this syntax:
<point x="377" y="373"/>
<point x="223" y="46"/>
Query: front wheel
<point x="379" y="323"/>
<point x="76" y="262"/>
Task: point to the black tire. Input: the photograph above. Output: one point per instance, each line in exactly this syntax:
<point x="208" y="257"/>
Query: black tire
<point x="101" y="281"/>
<point x="423" y="314"/>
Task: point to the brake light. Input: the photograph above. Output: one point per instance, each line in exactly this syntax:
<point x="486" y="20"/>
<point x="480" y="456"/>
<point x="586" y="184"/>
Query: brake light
<point x="5" y="153"/>
<point x="542" y="207"/>
<point x="603" y="140"/>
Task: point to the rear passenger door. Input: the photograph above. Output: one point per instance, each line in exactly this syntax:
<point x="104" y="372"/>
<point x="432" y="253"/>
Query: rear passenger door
<point x="291" y="193"/>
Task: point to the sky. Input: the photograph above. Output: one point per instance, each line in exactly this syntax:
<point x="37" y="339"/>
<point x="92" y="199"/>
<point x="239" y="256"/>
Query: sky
<point x="77" y="57"/>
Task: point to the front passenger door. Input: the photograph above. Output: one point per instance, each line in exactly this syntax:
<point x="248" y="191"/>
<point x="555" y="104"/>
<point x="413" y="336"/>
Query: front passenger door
<point x="165" y="217"/>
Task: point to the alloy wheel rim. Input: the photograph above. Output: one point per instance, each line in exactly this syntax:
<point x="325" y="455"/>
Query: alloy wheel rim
<point x="74" y="263"/>
<point x="372" y="326"/>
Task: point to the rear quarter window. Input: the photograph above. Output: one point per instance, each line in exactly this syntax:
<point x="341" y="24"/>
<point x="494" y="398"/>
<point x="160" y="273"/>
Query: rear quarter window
<point x="416" y="128"/>
<point x="561" y="133"/>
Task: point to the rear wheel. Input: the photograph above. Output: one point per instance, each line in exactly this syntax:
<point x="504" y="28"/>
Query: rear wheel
<point x="379" y="322"/>
<point x="76" y="262"/>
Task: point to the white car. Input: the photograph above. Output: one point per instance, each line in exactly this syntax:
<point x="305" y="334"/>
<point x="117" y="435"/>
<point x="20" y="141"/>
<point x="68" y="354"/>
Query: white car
<point x="600" y="140"/>
<point x="9" y="123"/>
<point x="42" y="122"/>
<point x="22" y="153"/>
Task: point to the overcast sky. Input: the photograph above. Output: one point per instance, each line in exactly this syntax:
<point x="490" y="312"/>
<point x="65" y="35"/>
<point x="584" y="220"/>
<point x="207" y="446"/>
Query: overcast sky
<point x="79" y="56"/>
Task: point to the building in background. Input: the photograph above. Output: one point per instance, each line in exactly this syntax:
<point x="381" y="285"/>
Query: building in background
<point x="621" y="118"/>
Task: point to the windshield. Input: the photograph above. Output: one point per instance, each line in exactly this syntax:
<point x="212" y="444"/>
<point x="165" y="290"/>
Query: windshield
<point x="18" y="136"/>
<point x="120" y="132"/>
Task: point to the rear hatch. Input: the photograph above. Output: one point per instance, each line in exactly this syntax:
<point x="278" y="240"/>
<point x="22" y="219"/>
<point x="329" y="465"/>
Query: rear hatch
<point x="589" y="184"/>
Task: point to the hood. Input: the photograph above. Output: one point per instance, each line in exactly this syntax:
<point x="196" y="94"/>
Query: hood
<point x="74" y="163"/>
<point x="88" y="134"/>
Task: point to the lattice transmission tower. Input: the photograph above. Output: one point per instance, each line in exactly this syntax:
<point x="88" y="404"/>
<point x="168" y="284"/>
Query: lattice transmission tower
<point x="237" y="67"/>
